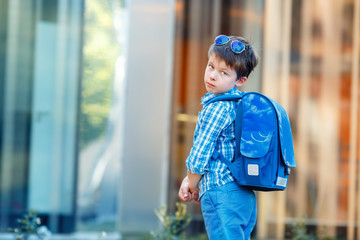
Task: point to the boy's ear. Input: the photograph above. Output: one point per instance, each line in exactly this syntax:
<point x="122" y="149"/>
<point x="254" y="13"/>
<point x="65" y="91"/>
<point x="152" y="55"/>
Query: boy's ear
<point x="240" y="81"/>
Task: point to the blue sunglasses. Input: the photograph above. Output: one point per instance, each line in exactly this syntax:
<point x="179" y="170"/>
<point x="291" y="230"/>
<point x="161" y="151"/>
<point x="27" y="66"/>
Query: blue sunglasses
<point x="236" y="46"/>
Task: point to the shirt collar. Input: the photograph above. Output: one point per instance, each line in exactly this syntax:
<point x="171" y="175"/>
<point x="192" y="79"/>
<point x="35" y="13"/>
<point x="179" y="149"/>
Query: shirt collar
<point x="208" y="96"/>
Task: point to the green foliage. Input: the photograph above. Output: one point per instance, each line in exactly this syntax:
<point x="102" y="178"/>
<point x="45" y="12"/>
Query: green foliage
<point x="298" y="231"/>
<point x="173" y="226"/>
<point x="99" y="55"/>
<point x="29" y="224"/>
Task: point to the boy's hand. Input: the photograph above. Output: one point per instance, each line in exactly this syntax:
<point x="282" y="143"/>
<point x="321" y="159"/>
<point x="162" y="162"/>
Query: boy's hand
<point x="193" y="188"/>
<point x="194" y="180"/>
<point x="185" y="194"/>
<point x="194" y="193"/>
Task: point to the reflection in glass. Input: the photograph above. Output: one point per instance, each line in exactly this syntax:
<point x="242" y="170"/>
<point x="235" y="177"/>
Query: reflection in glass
<point x="39" y="69"/>
<point x="101" y="109"/>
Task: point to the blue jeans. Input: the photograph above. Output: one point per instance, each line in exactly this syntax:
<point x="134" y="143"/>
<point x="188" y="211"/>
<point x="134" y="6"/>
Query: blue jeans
<point x="229" y="212"/>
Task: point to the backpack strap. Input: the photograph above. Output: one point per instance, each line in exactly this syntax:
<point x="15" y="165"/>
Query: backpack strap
<point x="229" y="97"/>
<point x="218" y="156"/>
<point x="225" y="97"/>
<point x="232" y="166"/>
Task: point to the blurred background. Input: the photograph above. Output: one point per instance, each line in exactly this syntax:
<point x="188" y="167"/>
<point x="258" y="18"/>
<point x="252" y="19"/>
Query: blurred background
<point x="99" y="100"/>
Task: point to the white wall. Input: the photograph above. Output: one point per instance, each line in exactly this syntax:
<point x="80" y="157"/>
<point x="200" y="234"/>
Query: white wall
<point x="148" y="76"/>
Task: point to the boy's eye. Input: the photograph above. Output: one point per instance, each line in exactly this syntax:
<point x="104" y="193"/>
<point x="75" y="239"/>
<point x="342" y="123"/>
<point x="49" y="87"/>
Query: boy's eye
<point x="224" y="73"/>
<point x="211" y="67"/>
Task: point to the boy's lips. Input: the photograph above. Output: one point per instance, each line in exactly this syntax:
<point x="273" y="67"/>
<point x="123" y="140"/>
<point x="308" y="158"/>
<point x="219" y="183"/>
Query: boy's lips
<point x="210" y="85"/>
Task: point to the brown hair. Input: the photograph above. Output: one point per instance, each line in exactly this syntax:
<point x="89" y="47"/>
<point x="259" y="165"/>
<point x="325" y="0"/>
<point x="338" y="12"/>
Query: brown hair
<point x="243" y="63"/>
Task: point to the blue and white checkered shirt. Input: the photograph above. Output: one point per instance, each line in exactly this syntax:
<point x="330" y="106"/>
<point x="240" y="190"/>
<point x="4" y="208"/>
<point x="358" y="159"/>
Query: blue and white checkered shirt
<point x="214" y="131"/>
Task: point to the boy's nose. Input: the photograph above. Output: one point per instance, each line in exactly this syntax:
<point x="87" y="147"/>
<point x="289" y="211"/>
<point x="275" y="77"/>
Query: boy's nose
<point x="213" y="75"/>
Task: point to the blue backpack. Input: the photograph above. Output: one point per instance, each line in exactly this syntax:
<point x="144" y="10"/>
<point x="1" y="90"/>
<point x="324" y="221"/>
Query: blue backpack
<point x="264" y="150"/>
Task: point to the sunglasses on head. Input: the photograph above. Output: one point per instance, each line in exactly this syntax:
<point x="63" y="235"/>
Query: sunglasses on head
<point x="236" y="46"/>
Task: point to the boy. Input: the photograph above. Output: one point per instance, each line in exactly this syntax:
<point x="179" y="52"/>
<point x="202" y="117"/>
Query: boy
<point x="229" y="210"/>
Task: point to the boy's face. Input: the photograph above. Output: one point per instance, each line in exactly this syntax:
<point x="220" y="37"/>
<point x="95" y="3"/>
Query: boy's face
<point x="219" y="77"/>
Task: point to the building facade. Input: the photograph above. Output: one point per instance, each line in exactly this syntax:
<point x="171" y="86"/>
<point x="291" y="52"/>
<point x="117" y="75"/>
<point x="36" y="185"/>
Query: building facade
<point x="99" y="101"/>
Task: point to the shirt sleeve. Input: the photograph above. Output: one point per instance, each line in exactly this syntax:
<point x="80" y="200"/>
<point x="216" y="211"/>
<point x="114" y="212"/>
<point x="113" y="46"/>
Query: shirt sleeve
<point x="212" y="120"/>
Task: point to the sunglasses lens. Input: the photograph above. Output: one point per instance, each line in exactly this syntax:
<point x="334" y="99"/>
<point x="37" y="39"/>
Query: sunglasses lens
<point x="221" y="40"/>
<point x="237" y="46"/>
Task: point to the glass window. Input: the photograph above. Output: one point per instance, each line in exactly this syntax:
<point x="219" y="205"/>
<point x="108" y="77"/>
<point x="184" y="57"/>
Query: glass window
<point x="60" y="69"/>
<point x="39" y="68"/>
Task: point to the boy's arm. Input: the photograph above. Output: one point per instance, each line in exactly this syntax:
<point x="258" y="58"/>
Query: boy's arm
<point x="212" y="120"/>
<point x="194" y="180"/>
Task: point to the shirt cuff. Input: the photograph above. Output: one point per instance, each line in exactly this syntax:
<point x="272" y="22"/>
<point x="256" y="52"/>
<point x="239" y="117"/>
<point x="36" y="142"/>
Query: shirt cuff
<point x="194" y="169"/>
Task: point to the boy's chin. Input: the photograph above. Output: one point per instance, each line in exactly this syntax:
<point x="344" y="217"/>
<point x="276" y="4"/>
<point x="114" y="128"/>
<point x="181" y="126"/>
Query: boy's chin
<point x="211" y="90"/>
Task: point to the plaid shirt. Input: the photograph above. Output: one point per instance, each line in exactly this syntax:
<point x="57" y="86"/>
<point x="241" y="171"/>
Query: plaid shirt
<point x="214" y="132"/>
